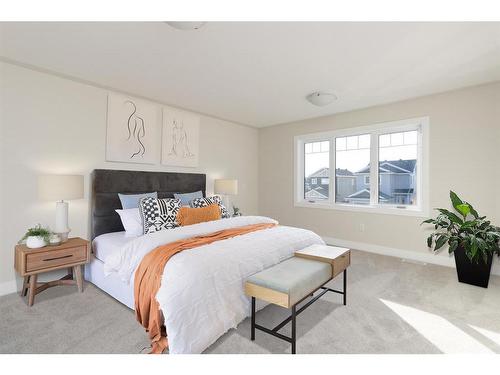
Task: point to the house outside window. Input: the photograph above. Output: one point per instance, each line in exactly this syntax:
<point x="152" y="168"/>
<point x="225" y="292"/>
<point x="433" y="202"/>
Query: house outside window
<point x="316" y="186"/>
<point x="398" y="149"/>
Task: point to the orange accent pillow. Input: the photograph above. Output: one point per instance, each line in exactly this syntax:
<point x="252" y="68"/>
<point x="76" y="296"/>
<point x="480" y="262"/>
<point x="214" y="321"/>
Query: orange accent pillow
<point x="189" y="216"/>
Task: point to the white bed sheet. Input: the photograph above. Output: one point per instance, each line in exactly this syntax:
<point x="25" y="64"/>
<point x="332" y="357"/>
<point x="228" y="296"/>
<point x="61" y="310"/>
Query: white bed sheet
<point x="201" y="293"/>
<point x="109" y="243"/>
<point x="111" y="284"/>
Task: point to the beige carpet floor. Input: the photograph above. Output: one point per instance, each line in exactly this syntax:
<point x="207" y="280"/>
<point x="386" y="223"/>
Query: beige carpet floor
<point x="393" y="307"/>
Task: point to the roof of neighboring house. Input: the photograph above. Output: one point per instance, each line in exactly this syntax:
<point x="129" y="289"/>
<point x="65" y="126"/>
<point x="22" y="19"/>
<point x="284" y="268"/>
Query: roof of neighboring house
<point x="365" y="194"/>
<point x="325" y="172"/>
<point x="318" y="193"/>
<point x="393" y="166"/>
<point x="343" y="172"/>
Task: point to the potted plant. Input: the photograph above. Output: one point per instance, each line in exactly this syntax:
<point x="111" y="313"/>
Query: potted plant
<point x="236" y="211"/>
<point x="37" y="237"/>
<point x="471" y="238"/>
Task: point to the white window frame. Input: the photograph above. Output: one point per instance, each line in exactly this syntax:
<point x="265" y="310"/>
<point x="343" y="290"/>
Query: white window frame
<point x="367" y="180"/>
<point x="421" y="209"/>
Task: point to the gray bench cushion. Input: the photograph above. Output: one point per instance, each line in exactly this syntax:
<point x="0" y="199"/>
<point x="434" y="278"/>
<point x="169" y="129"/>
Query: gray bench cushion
<point x="296" y="277"/>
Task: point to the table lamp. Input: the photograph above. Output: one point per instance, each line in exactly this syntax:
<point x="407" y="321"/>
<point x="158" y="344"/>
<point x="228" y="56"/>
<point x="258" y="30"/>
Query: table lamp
<point x="226" y="188"/>
<point x="60" y="188"/>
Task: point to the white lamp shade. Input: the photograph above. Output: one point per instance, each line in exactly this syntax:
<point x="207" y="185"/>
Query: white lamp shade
<point x="226" y="187"/>
<point x="57" y="187"/>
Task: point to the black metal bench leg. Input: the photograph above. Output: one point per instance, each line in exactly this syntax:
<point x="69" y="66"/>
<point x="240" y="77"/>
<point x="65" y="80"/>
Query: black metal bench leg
<point x="253" y="320"/>
<point x="293" y="339"/>
<point x="294" y="333"/>
<point x="345" y="287"/>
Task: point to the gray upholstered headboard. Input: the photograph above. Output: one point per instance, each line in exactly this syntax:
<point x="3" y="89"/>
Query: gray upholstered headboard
<point x="106" y="184"/>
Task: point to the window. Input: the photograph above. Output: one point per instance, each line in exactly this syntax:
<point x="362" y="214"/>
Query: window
<point x="352" y="155"/>
<point x="397" y="185"/>
<point x="316" y="158"/>
<point x="397" y="155"/>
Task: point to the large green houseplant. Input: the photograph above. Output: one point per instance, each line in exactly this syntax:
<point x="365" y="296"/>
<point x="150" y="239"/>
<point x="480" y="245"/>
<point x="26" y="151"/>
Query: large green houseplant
<point x="471" y="238"/>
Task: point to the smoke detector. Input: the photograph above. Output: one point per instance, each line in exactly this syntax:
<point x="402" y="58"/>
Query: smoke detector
<point x="321" y="98"/>
<point x="186" y="25"/>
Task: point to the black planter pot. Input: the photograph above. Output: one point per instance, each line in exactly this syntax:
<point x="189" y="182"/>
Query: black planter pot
<point x="477" y="274"/>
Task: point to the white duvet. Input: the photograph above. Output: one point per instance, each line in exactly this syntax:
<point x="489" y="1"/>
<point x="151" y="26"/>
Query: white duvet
<point x="201" y="294"/>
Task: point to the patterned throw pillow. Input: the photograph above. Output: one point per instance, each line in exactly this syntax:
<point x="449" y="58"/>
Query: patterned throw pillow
<point x="159" y="214"/>
<point x="203" y="202"/>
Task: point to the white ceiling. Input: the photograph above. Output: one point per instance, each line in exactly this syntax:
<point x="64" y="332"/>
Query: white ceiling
<point x="259" y="73"/>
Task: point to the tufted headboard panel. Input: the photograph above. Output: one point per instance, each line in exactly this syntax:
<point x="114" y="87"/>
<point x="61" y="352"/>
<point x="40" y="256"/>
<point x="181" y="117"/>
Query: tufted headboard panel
<point x="106" y="184"/>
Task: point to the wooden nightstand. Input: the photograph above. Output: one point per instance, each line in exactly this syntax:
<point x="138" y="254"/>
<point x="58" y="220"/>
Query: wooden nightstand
<point x="71" y="254"/>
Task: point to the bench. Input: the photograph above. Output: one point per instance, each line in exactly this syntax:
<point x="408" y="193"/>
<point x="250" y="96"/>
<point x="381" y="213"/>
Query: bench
<point x="294" y="280"/>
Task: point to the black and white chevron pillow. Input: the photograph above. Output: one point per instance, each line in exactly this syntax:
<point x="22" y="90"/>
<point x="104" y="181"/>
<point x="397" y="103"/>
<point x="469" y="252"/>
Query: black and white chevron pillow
<point x="203" y="202"/>
<point x="158" y="214"/>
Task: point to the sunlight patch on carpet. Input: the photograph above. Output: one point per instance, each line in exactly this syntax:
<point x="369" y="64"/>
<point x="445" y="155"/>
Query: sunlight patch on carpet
<point x="440" y="332"/>
<point x="491" y="335"/>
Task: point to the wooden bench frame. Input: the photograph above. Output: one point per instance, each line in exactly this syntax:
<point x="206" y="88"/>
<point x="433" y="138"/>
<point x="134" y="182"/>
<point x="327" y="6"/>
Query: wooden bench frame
<point x="293" y="339"/>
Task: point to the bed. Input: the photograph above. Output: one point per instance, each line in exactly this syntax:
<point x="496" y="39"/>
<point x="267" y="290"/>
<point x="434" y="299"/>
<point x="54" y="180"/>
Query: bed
<point x="201" y="294"/>
<point x="106" y="184"/>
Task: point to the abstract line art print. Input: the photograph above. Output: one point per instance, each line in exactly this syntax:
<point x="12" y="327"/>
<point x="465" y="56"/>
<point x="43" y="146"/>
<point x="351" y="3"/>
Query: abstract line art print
<point x="180" y="138"/>
<point x="132" y="130"/>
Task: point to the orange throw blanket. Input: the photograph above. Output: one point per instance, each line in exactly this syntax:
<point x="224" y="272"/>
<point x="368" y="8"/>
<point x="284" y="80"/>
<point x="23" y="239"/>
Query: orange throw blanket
<point x="149" y="273"/>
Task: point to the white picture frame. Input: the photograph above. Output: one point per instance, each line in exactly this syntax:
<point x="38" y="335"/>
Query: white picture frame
<point x="132" y="130"/>
<point x="180" y="138"/>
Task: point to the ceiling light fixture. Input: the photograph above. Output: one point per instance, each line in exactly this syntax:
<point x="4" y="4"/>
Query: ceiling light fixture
<point x="186" y="25"/>
<point x="321" y="98"/>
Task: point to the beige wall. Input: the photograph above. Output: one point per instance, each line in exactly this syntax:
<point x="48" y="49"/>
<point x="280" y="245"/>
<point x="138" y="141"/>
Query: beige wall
<point x="464" y="156"/>
<point x="54" y="125"/>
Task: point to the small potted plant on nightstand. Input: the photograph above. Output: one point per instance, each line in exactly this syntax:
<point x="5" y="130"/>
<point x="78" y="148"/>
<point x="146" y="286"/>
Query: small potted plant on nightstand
<point x="470" y="237"/>
<point x="37" y="237"/>
<point x="236" y="211"/>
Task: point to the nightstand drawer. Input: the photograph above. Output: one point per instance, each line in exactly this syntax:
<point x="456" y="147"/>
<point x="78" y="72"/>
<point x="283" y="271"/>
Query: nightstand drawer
<point x="55" y="258"/>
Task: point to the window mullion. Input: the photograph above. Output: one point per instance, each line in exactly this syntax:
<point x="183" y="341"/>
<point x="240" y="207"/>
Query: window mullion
<point x="419" y="164"/>
<point x="332" y="169"/>
<point x="300" y="160"/>
<point x="373" y="169"/>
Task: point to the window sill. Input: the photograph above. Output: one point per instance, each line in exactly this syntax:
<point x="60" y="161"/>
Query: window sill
<point x="410" y="211"/>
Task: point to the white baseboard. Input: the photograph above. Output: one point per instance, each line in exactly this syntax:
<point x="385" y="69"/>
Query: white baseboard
<point x="8" y="287"/>
<point x="11" y="286"/>
<point x="404" y="254"/>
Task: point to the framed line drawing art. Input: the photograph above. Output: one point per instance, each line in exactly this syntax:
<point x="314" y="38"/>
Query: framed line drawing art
<point x="180" y="138"/>
<point x="133" y="130"/>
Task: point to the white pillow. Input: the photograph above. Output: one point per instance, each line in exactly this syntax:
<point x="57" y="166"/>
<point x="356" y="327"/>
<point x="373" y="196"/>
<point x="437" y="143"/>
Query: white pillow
<point x="132" y="221"/>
